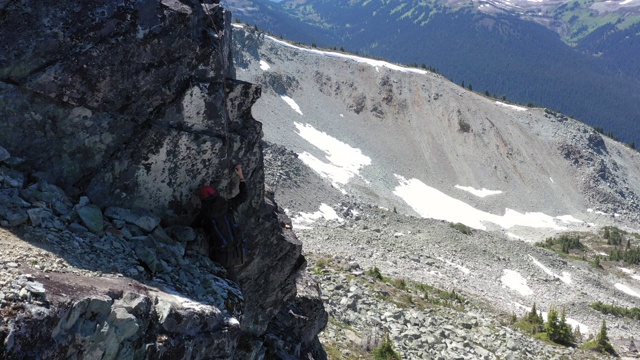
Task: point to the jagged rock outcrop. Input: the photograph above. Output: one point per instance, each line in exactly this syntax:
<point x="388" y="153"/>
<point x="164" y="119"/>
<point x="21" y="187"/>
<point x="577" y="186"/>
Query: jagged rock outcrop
<point x="131" y="101"/>
<point x="112" y="114"/>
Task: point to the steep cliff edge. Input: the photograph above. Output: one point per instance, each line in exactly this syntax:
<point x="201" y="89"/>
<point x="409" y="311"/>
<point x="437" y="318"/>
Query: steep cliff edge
<point x="112" y="114"/>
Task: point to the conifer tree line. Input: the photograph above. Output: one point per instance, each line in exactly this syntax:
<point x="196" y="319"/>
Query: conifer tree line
<point x="557" y="330"/>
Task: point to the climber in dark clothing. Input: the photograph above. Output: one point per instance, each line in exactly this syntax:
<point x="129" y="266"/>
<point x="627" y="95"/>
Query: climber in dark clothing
<point x="226" y="244"/>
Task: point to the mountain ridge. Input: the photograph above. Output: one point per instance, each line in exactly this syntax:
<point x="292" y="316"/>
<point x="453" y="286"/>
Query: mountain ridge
<point x="498" y="53"/>
<point x="429" y="110"/>
<point x="378" y="164"/>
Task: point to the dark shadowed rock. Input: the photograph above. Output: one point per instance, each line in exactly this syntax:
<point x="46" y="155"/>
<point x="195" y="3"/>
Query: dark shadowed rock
<point x="125" y="109"/>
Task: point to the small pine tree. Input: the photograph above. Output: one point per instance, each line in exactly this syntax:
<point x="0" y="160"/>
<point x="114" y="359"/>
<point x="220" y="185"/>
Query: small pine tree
<point x="551" y="326"/>
<point x="534" y="319"/>
<point x="577" y="335"/>
<point x="385" y="351"/>
<point x="602" y="340"/>
<point x="566" y="333"/>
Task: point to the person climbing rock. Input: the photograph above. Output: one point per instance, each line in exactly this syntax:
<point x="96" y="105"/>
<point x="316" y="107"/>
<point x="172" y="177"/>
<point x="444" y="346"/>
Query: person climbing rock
<point x="217" y="218"/>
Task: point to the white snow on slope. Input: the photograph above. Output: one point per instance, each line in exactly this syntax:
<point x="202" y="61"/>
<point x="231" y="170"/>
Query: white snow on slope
<point x="625" y="289"/>
<point x="291" y="103"/>
<point x="514" y="281"/>
<point x="565" y="278"/>
<point x="429" y="202"/>
<point x="372" y="62"/>
<point x="264" y="66"/>
<point x="344" y="163"/>
<point x="465" y="270"/>
<point x="568" y="219"/>
<point x="303" y="220"/>
<point x="479" y="193"/>
<point x="630" y="273"/>
<point x="518" y="108"/>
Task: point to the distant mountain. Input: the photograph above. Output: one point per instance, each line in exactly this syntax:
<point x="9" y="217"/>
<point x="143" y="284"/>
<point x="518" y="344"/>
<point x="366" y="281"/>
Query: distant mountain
<point x="398" y="169"/>
<point x="580" y="59"/>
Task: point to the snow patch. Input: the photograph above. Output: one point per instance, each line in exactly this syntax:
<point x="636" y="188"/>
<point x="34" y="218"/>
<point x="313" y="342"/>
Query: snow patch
<point x="291" y="103"/>
<point x="598" y="212"/>
<point x="631" y="273"/>
<point x="514" y="281"/>
<point x="344" y="163"/>
<point x="303" y="220"/>
<point x="479" y="193"/>
<point x="465" y="270"/>
<point x="372" y="62"/>
<point x="627" y="290"/>
<point x="565" y="278"/>
<point x="517" y="108"/>
<point x="514" y="236"/>
<point x="568" y="219"/>
<point x="264" y="66"/>
<point x="429" y="202"/>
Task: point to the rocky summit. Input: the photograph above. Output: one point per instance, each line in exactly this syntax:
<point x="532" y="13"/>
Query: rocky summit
<point x="112" y="114"/>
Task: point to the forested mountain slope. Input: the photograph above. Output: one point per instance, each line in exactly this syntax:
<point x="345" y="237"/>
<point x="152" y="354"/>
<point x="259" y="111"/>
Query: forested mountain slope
<point x="499" y="52"/>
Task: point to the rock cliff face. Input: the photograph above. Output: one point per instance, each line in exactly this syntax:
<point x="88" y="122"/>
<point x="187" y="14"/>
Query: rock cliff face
<point x="112" y="114"/>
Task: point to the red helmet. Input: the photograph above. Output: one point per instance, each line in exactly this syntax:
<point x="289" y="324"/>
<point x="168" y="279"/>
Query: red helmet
<point x="206" y="192"/>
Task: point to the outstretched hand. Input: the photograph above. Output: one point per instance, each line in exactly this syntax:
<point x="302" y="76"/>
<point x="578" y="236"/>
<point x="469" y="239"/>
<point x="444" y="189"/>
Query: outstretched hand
<point x="238" y="170"/>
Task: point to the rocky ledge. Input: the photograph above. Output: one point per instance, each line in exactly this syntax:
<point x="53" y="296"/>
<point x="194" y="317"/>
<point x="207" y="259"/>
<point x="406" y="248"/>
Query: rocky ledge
<point x="77" y="280"/>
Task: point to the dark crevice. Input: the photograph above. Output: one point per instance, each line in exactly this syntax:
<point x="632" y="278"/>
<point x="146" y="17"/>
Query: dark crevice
<point x="3" y="11"/>
<point x="10" y="82"/>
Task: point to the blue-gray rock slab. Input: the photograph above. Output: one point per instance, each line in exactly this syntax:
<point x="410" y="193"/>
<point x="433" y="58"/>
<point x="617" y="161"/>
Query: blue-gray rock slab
<point x="112" y="316"/>
<point x="91" y="217"/>
<point x="181" y="233"/>
<point x="4" y="154"/>
<point x="11" y="177"/>
<point x="142" y="218"/>
<point x="39" y="216"/>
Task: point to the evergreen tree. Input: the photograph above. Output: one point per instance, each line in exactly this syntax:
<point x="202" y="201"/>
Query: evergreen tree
<point x="577" y="335"/>
<point x="533" y="316"/>
<point x="551" y="327"/>
<point x="385" y="350"/>
<point x="566" y="333"/>
<point x="602" y="340"/>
